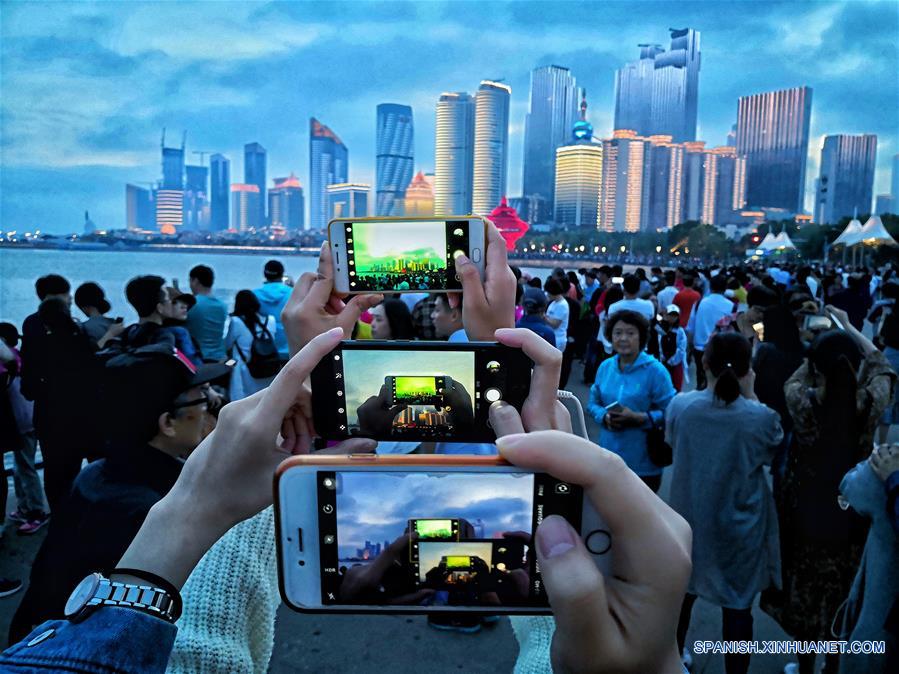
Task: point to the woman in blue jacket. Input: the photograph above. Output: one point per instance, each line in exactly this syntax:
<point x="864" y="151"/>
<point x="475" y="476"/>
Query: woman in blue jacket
<point x="630" y="394"/>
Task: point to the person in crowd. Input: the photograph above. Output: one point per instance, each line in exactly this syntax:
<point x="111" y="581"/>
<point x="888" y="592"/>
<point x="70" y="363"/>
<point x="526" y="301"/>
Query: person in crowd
<point x="854" y="300"/>
<point x="722" y="438"/>
<point x="672" y="345"/>
<point x="637" y="635"/>
<point x="686" y="299"/>
<point x="668" y="292"/>
<point x="632" y="300"/>
<point x="247" y="323"/>
<point x="885" y="316"/>
<point x="151" y="302"/>
<point x="758" y="299"/>
<point x="421" y="318"/>
<point x="273" y="295"/>
<point x="557" y="313"/>
<point x="59" y="376"/>
<point x="874" y="596"/>
<point x="629" y="397"/>
<point x="534" y="318"/>
<point x="206" y="318"/>
<point x="835" y="399"/>
<point x="448" y="320"/>
<point x="175" y="322"/>
<point x="591" y="284"/>
<point x="10" y="440"/>
<point x="155" y="419"/>
<point x="391" y="320"/>
<point x="703" y="320"/>
<point x="51" y="286"/>
<point x="91" y="300"/>
<point x="613" y="295"/>
<point x="574" y="282"/>
<point x="30" y="514"/>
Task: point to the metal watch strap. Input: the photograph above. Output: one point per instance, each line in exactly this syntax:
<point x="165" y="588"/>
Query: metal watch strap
<point x="143" y="598"/>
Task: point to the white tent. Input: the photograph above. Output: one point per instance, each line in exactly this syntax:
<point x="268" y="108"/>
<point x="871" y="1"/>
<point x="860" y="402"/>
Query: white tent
<point x="875" y="234"/>
<point x="847" y="238"/>
<point x="768" y="243"/>
<point x="782" y="241"/>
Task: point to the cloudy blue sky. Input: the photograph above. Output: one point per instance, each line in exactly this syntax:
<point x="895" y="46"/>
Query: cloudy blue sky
<point x="87" y="87"/>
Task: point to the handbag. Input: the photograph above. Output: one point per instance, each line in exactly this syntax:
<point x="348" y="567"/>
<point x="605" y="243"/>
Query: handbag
<point x="659" y="451"/>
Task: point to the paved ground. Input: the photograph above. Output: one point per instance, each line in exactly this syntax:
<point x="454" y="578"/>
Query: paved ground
<point x="350" y="645"/>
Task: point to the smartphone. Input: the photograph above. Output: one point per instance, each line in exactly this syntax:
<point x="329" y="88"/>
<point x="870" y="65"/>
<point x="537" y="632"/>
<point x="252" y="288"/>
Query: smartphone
<point x="398" y="255"/>
<point x="383" y="390"/>
<point x="759" y="330"/>
<point x="617" y="280"/>
<point x="372" y="533"/>
<point x="614" y="407"/>
<point x="816" y="323"/>
<point x="411" y="390"/>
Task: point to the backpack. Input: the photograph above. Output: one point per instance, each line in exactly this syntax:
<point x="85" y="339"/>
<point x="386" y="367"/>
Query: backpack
<point x="264" y="360"/>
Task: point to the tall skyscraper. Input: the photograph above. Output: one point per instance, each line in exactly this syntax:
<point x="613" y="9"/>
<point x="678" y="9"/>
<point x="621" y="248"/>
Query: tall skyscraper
<point x="286" y="204"/>
<point x="139" y="209"/>
<point x="622" y="207"/>
<point x="772" y="132"/>
<point x="419" y="199"/>
<point x="394" y="160"/>
<point x="254" y="164"/>
<point x="454" y="154"/>
<point x="219" y="192"/>
<point x="579" y="177"/>
<point x="846" y="180"/>
<point x="665" y="161"/>
<point x="883" y="203"/>
<point x="694" y="180"/>
<point x="659" y="93"/>
<point x="551" y="115"/>
<point x="491" y="146"/>
<point x="196" y="204"/>
<point x="244" y="207"/>
<point x="723" y="185"/>
<point x="328" y="165"/>
<point x="348" y="200"/>
<point x="170" y="196"/>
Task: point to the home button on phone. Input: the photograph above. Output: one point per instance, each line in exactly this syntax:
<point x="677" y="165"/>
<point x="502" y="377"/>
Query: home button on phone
<point x="476" y="255"/>
<point x="599" y="541"/>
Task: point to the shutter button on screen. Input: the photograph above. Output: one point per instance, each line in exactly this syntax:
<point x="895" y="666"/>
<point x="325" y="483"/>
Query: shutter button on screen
<point x="599" y="541"/>
<point x="493" y="394"/>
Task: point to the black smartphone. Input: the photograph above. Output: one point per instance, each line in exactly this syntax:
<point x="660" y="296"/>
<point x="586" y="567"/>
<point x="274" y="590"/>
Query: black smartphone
<point x="416" y="391"/>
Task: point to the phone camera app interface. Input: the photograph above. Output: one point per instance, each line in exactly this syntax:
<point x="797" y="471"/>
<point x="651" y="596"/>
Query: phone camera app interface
<point x="436" y="539"/>
<point x="414" y="256"/>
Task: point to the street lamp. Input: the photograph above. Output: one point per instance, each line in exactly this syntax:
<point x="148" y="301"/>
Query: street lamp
<point x="603" y="249"/>
<point x="596" y="249"/>
<point x="623" y="247"/>
<point x="658" y="249"/>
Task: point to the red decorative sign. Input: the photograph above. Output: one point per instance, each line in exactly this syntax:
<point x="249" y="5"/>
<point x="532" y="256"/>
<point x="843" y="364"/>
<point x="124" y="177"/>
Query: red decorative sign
<point x="508" y="223"/>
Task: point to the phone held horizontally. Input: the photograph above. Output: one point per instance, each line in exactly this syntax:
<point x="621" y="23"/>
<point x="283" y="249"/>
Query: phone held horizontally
<point x="404" y="255"/>
<point x="420" y="534"/>
<point x="416" y="391"/>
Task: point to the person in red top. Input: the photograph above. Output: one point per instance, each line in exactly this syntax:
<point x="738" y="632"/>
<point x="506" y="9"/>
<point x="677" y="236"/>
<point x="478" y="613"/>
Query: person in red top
<point x="686" y="299"/>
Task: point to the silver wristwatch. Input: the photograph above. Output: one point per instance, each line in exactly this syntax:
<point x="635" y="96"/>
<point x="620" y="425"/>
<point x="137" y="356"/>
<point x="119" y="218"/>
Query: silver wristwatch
<point x="96" y="591"/>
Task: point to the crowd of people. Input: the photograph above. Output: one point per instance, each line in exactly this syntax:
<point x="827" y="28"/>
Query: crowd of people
<point x="758" y="388"/>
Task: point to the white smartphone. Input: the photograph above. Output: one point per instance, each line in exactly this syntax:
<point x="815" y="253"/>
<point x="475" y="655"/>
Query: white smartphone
<point x="372" y="533"/>
<point x="404" y="255"/>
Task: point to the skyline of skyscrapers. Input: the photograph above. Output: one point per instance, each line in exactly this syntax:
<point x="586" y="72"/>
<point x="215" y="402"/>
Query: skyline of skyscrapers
<point x="140" y="212"/>
<point x="328" y="165"/>
<point x="454" y="154"/>
<point x="552" y="111"/>
<point x="196" y="204"/>
<point x="845" y="183"/>
<point x="772" y="132"/>
<point x="578" y="177"/>
<point x="724" y="185"/>
<point x="286" y="205"/>
<point x="491" y="146"/>
<point x="659" y="93"/>
<point x="254" y="170"/>
<point x="219" y="192"/>
<point x="394" y="159"/>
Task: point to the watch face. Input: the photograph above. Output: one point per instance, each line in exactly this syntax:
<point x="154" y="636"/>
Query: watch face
<point x="82" y="594"/>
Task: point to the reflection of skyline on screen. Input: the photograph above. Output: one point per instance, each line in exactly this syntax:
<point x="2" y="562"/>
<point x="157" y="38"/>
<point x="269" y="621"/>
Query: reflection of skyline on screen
<point x="377" y="506"/>
<point x="429" y="553"/>
<point x="364" y="371"/>
<point x="378" y="246"/>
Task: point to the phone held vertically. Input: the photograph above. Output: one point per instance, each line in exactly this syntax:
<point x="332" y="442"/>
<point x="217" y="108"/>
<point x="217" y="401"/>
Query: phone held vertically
<point x="416" y="391"/>
<point x="404" y="254"/>
<point x="420" y="534"/>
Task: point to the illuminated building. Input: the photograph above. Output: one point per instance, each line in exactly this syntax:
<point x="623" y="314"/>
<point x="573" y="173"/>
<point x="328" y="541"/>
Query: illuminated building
<point x="551" y="114"/>
<point x="419" y="197"/>
<point x="219" y="192"/>
<point x="454" y="154"/>
<point x="659" y="93"/>
<point x="139" y="209"/>
<point x="723" y="185"/>
<point x="328" y="165"/>
<point x="285" y="203"/>
<point x="622" y="182"/>
<point x="196" y="205"/>
<point x="846" y="182"/>
<point x="772" y="133"/>
<point x="664" y="198"/>
<point x="348" y="200"/>
<point x="254" y="174"/>
<point x="882" y="204"/>
<point x="394" y="156"/>
<point x="169" y="214"/>
<point x="491" y="146"/>
<point x="244" y="207"/>
<point x="578" y="179"/>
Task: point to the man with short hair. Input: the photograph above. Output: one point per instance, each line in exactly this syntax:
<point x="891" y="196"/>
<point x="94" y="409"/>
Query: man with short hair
<point x="206" y="318"/>
<point x="156" y="414"/>
<point x="591" y="285"/>
<point x="704" y="319"/>
<point x="273" y="296"/>
<point x="448" y="320"/>
<point x="91" y="300"/>
<point x="534" y="318"/>
<point x="686" y="299"/>
<point x="667" y="294"/>
<point x="151" y="302"/>
<point x="558" y="312"/>
<point x="632" y="288"/>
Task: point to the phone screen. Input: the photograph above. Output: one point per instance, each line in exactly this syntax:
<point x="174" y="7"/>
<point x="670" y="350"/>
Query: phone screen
<point x="436" y="538"/>
<point x="390" y="391"/>
<point x="384" y="256"/>
<point x="818" y="323"/>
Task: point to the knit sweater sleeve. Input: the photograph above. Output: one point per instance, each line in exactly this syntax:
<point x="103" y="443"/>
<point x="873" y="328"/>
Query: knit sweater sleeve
<point x="535" y="636"/>
<point x="230" y="601"/>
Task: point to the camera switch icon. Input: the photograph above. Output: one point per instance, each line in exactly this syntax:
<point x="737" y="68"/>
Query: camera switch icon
<point x="563" y="488"/>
